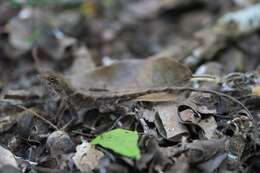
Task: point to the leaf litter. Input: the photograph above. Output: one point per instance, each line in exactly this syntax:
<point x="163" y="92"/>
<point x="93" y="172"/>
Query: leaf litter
<point x="118" y="86"/>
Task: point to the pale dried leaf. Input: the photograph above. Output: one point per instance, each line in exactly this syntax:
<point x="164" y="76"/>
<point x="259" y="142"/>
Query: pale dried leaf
<point x="87" y="157"/>
<point x="7" y="158"/>
<point x="167" y="120"/>
<point x="209" y="125"/>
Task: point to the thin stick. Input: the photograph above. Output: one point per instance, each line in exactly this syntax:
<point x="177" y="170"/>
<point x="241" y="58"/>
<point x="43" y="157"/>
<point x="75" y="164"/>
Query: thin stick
<point x="117" y="120"/>
<point x="33" y="113"/>
<point x="38" y="116"/>
<point x="207" y="78"/>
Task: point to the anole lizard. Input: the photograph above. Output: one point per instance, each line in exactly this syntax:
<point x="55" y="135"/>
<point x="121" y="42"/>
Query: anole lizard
<point x="94" y="100"/>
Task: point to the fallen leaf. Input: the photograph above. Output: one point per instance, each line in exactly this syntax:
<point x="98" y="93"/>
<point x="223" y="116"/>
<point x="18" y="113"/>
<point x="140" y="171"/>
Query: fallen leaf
<point x="214" y="163"/>
<point x="121" y="141"/>
<point x="86" y="157"/>
<point x="157" y="97"/>
<point x="133" y="75"/>
<point x="209" y="126"/>
<point x="189" y="115"/>
<point x="202" y="150"/>
<point x="167" y="123"/>
<point x="7" y="158"/>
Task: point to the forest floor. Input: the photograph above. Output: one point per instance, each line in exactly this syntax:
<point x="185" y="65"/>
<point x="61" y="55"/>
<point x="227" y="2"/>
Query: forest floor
<point x="116" y="86"/>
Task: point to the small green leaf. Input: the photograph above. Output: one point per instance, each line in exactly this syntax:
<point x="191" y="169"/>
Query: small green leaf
<point x="121" y="141"/>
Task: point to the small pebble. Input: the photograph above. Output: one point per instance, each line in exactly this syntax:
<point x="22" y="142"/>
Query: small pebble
<point x="59" y="143"/>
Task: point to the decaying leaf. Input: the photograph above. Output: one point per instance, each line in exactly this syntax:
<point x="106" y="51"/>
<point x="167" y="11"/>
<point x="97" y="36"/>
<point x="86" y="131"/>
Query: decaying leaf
<point x="236" y="146"/>
<point x="190" y="116"/>
<point x="213" y="164"/>
<point x="86" y="157"/>
<point x="209" y="126"/>
<point x="167" y="122"/>
<point x="121" y="141"/>
<point x="134" y="75"/>
<point x="148" y="115"/>
<point x="157" y="97"/>
<point x="7" y="158"/>
<point x="202" y="150"/>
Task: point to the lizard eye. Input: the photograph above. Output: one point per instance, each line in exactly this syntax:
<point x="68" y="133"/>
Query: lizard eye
<point x="51" y="79"/>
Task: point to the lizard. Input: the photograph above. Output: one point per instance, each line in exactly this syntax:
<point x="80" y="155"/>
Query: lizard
<point x="95" y="100"/>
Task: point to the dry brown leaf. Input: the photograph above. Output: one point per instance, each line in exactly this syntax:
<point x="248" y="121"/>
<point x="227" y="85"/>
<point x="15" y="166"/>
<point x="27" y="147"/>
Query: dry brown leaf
<point x="134" y="75"/>
<point x="157" y="97"/>
<point x="167" y="123"/>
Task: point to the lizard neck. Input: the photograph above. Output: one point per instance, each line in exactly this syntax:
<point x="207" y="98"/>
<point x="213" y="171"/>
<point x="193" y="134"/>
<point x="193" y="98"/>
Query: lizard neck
<point x="64" y="88"/>
<point x="58" y="83"/>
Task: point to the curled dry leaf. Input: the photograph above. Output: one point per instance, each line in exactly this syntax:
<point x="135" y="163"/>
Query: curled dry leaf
<point x="189" y="115"/>
<point x="167" y="123"/>
<point x="86" y="157"/>
<point x="134" y="75"/>
<point x="209" y="126"/>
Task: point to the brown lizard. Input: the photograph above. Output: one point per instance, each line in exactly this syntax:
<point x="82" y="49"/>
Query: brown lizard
<point x="94" y="100"/>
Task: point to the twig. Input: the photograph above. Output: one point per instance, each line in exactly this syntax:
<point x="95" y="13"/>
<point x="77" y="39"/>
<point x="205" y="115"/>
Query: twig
<point x="82" y="133"/>
<point x="208" y="78"/>
<point x="33" y="113"/>
<point x="38" y="116"/>
<point x="117" y="120"/>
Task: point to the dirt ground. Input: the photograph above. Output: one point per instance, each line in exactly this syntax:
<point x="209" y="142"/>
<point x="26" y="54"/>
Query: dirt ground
<point x="117" y="86"/>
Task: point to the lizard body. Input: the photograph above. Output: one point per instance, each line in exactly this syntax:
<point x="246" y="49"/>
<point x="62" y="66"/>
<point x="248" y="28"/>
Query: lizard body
<point x="96" y="99"/>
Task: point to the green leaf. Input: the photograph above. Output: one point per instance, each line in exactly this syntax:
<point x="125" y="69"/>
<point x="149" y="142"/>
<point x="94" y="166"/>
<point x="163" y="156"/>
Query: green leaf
<point x="120" y="141"/>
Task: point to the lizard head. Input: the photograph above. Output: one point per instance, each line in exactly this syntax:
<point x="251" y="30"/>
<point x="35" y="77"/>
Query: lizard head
<point x="57" y="82"/>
